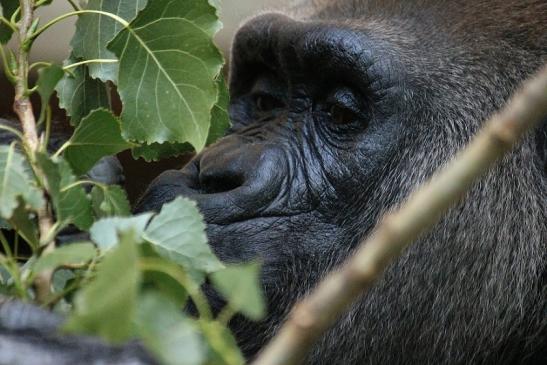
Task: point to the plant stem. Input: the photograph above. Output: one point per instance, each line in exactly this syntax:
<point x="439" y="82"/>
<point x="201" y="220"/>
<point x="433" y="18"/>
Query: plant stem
<point x="83" y="182"/>
<point x="226" y="315"/>
<point x="317" y="312"/>
<point x="39" y="64"/>
<point x="7" y="23"/>
<point x="74" y="5"/>
<point x="150" y="264"/>
<point x="100" y="60"/>
<point x="62" y="149"/>
<point x="12" y="130"/>
<point x="13" y="19"/>
<point x="23" y="108"/>
<point x="77" y="13"/>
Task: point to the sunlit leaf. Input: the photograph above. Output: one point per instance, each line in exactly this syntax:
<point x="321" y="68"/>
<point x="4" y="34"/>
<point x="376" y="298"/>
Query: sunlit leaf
<point x="106" y="306"/>
<point x="79" y="94"/>
<point x="167" y="332"/>
<point x="94" y="31"/>
<point x="240" y="285"/>
<point x="110" y="201"/>
<point x="97" y="135"/>
<point x="178" y="233"/>
<point x="167" y="83"/>
<point x="16" y="182"/>
<point x="104" y="232"/>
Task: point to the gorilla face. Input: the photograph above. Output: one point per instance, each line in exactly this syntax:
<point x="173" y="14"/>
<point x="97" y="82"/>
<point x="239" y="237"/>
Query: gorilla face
<point x="334" y="120"/>
<point x="307" y="128"/>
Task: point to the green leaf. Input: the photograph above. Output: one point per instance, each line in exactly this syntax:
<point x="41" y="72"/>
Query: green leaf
<point x="106" y="307"/>
<point x="72" y="205"/>
<point x="240" y="285"/>
<point x="16" y="182"/>
<point x="97" y="135"/>
<point x="160" y="151"/>
<point x="61" y="278"/>
<point x="94" y="31"/>
<point x="24" y="223"/>
<point x="79" y="94"/>
<point x="178" y="233"/>
<point x="73" y="254"/>
<point x="220" y="121"/>
<point x="105" y="231"/>
<point x="110" y="201"/>
<point x="167" y="332"/>
<point x="7" y="8"/>
<point x="48" y="78"/>
<point x="167" y="83"/>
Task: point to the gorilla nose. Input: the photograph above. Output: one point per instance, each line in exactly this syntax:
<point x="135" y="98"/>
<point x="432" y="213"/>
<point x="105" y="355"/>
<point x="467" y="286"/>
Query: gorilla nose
<point x="223" y="169"/>
<point x="236" y="182"/>
<point x="231" y="181"/>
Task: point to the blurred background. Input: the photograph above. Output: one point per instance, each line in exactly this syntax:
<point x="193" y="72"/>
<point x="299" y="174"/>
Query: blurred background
<point x="54" y="46"/>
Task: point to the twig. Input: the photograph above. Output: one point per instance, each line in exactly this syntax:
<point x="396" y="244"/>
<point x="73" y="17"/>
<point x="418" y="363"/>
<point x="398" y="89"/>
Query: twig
<point x="74" y="5"/>
<point x="23" y="108"/>
<point x="311" y="317"/>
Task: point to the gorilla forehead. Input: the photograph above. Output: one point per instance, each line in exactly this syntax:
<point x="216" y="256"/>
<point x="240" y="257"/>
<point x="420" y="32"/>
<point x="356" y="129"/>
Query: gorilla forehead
<point x="311" y="50"/>
<point x="406" y="62"/>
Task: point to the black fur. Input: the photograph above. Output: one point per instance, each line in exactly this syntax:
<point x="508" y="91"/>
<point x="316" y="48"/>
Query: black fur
<point x="298" y="191"/>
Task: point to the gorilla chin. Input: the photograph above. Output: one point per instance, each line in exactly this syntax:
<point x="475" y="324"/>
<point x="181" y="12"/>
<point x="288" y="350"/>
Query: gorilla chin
<point x="340" y="110"/>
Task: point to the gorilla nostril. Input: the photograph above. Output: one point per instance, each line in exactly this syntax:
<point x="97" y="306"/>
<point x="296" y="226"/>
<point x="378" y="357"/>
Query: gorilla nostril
<point x="220" y="182"/>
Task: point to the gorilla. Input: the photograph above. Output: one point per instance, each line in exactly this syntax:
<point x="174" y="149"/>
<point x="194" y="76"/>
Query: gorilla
<point x="339" y="110"/>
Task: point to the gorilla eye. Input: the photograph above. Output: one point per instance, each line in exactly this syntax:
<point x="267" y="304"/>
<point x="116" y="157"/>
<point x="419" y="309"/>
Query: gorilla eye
<point x="341" y="115"/>
<point x="266" y="103"/>
<point x="343" y="106"/>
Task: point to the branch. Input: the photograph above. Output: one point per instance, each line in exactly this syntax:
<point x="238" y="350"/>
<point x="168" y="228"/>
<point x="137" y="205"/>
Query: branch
<point x="311" y="317"/>
<point x="23" y="108"/>
<point x="22" y="105"/>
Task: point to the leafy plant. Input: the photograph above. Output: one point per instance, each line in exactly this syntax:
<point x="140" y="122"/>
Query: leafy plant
<point x="135" y="275"/>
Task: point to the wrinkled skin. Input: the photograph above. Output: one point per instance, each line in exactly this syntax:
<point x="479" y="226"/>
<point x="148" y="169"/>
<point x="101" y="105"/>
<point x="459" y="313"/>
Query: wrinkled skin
<point x="338" y="112"/>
